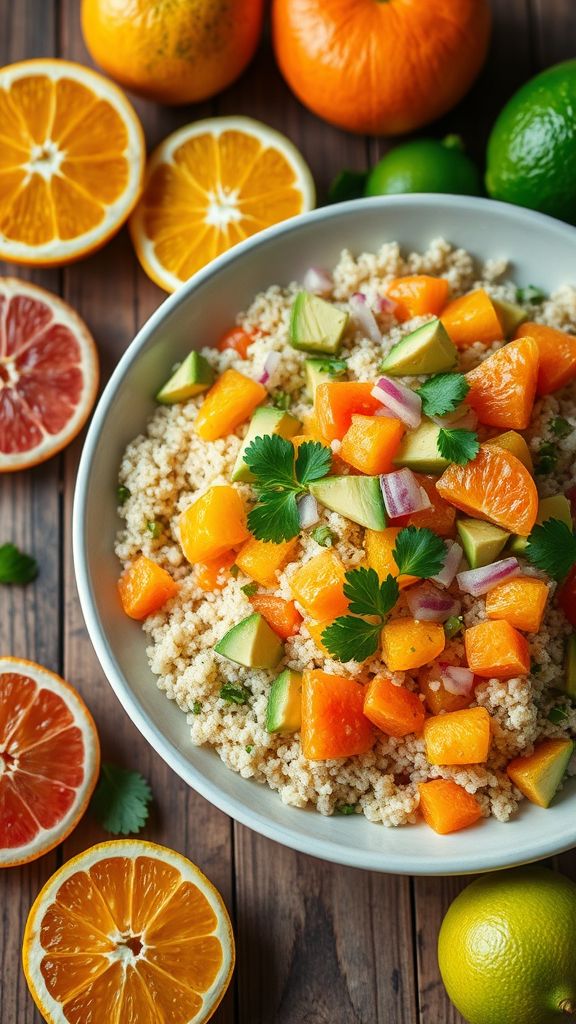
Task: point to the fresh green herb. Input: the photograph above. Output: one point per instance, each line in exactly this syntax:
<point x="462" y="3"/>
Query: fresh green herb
<point x="347" y="185"/>
<point x="552" y="547"/>
<point x="557" y="715"/>
<point x="530" y="294"/>
<point x="249" y="589"/>
<point x="15" y="566"/>
<point x="249" y="749"/>
<point x="196" y="707"/>
<point x="333" y="366"/>
<point x="453" y="626"/>
<point x="323" y="536"/>
<point x="279" y="482"/>
<point x="345" y="809"/>
<point x="281" y="400"/>
<point x="535" y="668"/>
<point x="547" y="458"/>
<point x="349" y="638"/>
<point x="458" y="445"/>
<point x="235" y="693"/>
<point x="419" y="552"/>
<point x="120" y="802"/>
<point x="560" y="427"/>
<point x="443" y="393"/>
<point x="155" y="528"/>
<point x="122" y="494"/>
<point x="234" y="570"/>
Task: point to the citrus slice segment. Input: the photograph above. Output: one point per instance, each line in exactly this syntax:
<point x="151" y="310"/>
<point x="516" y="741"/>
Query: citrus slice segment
<point x="210" y="185"/>
<point x="128" y="932"/>
<point x="495" y="486"/>
<point x="48" y="374"/>
<point x="49" y="760"/>
<point x="72" y="159"/>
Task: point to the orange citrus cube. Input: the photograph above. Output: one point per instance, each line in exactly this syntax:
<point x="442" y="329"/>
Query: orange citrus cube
<point x="495" y="649"/>
<point x="447" y="807"/>
<point x="333" y="721"/>
<point x="371" y="442"/>
<point x="460" y="737"/>
<point x="520" y="601"/>
<point x="407" y="643"/>
<point x="230" y="401"/>
<point x="318" y="586"/>
<point x="213" y="524"/>
<point x="262" y="559"/>
<point x="394" y="709"/>
<point x="144" y="587"/>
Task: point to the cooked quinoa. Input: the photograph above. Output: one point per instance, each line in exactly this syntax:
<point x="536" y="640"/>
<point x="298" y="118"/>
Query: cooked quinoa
<point x="169" y="466"/>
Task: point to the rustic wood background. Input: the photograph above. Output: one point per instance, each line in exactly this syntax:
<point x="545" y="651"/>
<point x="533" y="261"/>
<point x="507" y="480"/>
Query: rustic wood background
<point x="317" y="944"/>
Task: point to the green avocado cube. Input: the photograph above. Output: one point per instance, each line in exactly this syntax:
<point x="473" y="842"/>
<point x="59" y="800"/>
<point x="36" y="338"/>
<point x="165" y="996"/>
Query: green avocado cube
<point x="429" y="349"/>
<point x="557" y="506"/>
<point x="251" y="643"/>
<point x="419" y="450"/>
<point x="284" y="709"/>
<point x="316" y="325"/>
<point x="358" y="498"/>
<point x="482" y="542"/>
<point x="510" y="315"/>
<point x="193" y="376"/>
<point x="323" y="371"/>
<point x="265" y="420"/>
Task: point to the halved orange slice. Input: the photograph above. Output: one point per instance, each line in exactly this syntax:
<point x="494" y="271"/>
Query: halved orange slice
<point x="495" y="486"/>
<point x="210" y="185"/>
<point x="48" y="374"/>
<point x="128" y="932"/>
<point x="72" y="159"/>
<point x="49" y="760"/>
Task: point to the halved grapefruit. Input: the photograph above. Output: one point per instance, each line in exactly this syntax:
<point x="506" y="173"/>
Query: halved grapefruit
<point x="48" y="374"/>
<point x="49" y="760"/>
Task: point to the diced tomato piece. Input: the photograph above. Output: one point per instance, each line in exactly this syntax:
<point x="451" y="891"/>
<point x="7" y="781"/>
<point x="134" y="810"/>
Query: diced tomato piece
<point x="238" y="339"/>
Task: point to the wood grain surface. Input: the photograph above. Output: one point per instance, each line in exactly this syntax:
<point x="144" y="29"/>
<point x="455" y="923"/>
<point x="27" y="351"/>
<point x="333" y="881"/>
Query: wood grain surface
<point x="317" y="943"/>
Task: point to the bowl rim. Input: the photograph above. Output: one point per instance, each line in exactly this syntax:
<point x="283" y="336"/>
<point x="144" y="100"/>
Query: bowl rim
<point x="328" y="850"/>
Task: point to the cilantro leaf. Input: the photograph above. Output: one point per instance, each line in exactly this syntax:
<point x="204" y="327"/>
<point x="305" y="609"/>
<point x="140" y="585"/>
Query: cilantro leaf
<point x="530" y="294"/>
<point x="120" y="802"/>
<point x="458" y="445"/>
<point x="275" y="517"/>
<point x="552" y="547"/>
<point x="15" y="566"/>
<point x="351" y="639"/>
<point x="419" y="552"/>
<point x="281" y="400"/>
<point x="367" y="596"/>
<point x="271" y="460"/>
<point x="561" y="427"/>
<point x="234" y="693"/>
<point x="314" y="461"/>
<point x="323" y="536"/>
<point x="443" y="393"/>
<point x="333" y="366"/>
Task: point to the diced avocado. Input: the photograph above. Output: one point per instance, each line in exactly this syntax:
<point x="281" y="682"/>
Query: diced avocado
<point x="556" y="506"/>
<point x="192" y="376"/>
<point x="316" y="325"/>
<point x="429" y="349"/>
<point x="322" y="371"/>
<point x="419" y="450"/>
<point x="513" y="442"/>
<point x="358" y="498"/>
<point x="251" y="643"/>
<point x="481" y="541"/>
<point x="539" y="775"/>
<point x="570" y="667"/>
<point x="510" y="315"/>
<point x="265" y="420"/>
<point x="284" y="711"/>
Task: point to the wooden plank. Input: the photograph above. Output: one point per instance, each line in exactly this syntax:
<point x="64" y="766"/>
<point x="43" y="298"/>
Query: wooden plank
<point x="554" y="31"/>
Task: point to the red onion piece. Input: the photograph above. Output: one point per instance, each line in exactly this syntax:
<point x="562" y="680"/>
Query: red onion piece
<point x="271" y="364"/>
<point x="451" y="564"/>
<point x="457" y="680"/>
<point x="480" y="581"/>
<point x="402" y="493"/>
<point x="318" y="281"/>
<point x="308" y="511"/>
<point x="383" y="304"/>
<point x="364" y="317"/>
<point x="428" y="604"/>
<point x="402" y="402"/>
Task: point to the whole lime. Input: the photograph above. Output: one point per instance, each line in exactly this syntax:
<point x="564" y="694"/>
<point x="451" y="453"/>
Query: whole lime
<point x="532" y="147"/>
<point x="506" y="949"/>
<point x="425" y="165"/>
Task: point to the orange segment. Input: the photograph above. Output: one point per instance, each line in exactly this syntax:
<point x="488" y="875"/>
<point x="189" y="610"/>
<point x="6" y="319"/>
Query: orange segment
<point x="144" y="587"/>
<point x="333" y="721"/>
<point x="210" y="185"/>
<point x="447" y="807"/>
<point x="496" y="649"/>
<point x="460" y="737"/>
<point x="520" y="601"/>
<point x="472" y="318"/>
<point x="494" y="486"/>
<point x="128" y="932"/>
<point x="557" y="351"/>
<point x="503" y="387"/>
<point x="418" y="294"/>
<point x="72" y="161"/>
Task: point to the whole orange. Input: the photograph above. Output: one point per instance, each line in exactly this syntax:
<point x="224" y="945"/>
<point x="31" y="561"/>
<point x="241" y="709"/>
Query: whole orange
<point x="172" y="51"/>
<point x="380" y="66"/>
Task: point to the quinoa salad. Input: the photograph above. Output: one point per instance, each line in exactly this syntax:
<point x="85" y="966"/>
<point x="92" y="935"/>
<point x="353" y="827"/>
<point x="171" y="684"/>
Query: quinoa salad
<point x="460" y="703"/>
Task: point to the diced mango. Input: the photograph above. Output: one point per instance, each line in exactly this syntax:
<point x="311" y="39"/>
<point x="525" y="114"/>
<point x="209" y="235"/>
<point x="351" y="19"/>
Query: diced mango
<point x="520" y="601"/>
<point x="230" y="401"/>
<point x="316" y="629"/>
<point x="144" y="587"/>
<point x="333" y="721"/>
<point x="447" y="807"/>
<point x="281" y="615"/>
<point x="394" y="709"/>
<point x="495" y="649"/>
<point x="460" y="737"/>
<point x="471" y="318"/>
<point x="262" y="560"/>
<point x="214" y="524"/>
<point x="539" y="774"/>
<point x="407" y="643"/>
<point x="335" y="403"/>
<point x="379" y="545"/>
<point x="318" y="586"/>
<point x="371" y="442"/>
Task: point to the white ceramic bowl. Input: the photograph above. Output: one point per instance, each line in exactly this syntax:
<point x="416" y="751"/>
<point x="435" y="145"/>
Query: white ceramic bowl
<point x="541" y="251"/>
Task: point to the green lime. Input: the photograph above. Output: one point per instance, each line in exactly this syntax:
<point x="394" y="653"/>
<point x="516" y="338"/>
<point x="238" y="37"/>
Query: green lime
<point x="425" y="165"/>
<point x="532" y="147"/>
<point x="506" y="949"/>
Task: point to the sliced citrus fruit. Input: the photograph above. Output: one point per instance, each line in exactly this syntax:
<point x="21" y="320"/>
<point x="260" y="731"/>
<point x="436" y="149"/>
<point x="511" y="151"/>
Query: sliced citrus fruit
<point x="72" y="159"/>
<point x="494" y="486"/>
<point x="503" y="387"/>
<point x="48" y="374"/>
<point x="128" y="932"/>
<point x="210" y="185"/>
<point x="49" y="760"/>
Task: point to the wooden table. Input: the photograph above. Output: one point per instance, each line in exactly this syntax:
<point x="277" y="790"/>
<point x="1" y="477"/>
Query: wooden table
<point x="317" y="944"/>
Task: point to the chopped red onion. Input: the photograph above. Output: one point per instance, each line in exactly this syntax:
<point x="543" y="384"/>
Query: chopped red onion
<point x="271" y="364"/>
<point x="402" y="402"/>
<point x="462" y="419"/>
<point x="402" y="493"/>
<point x="451" y="564"/>
<point x="457" y="680"/>
<point x="480" y="581"/>
<point x="364" y="317"/>
<point x="308" y="511"/>
<point x="318" y="281"/>
<point x="428" y="604"/>
<point x="383" y="304"/>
